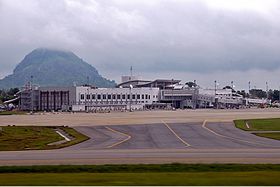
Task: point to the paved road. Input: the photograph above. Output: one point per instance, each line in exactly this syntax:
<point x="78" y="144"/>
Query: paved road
<point x="157" y="143"/>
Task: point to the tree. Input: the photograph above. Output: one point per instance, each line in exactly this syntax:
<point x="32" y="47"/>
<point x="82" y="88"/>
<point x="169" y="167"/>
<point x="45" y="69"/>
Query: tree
<point x="8" y="94"/>
<point x="12" y="91"/>
<point x="258" y="93"/>
<point x="191" y="84"/>
<point x="273" y="95"/>
<point x="243" y="93"/>
<point x="229" y="87"/>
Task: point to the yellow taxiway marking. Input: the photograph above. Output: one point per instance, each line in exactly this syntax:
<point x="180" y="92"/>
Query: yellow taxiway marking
<point x="183" y="141"/>
<point x="228" y="137"/>
<point x="118" y="132"/>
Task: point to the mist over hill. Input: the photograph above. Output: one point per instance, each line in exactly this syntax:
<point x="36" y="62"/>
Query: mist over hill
<point x="50" y="67"/>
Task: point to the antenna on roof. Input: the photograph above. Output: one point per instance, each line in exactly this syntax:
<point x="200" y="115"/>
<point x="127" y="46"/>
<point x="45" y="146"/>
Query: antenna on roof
<point x="131" y="71"/>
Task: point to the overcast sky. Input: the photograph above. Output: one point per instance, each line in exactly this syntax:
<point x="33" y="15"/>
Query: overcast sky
<point x="226" y="40"/>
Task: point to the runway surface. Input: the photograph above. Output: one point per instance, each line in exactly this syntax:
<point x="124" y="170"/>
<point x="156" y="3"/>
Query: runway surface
<point x="139" y="117"/>
<point x="206" y="142"/>
<point x="171" y="136"/>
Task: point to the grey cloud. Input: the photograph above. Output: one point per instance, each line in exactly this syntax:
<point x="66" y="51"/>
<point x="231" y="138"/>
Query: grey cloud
<point x="153" y="36"/>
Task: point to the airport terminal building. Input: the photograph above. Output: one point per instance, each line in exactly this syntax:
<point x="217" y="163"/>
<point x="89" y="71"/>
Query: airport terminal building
<point x="130" y="94"/>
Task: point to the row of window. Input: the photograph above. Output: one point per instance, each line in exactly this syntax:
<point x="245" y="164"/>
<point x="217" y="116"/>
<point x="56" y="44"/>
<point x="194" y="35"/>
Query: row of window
<point x="111" y="102"/>
<point x="115" y="96"/>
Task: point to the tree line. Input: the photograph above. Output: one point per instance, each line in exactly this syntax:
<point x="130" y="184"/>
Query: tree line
<point x="6" y="95"/>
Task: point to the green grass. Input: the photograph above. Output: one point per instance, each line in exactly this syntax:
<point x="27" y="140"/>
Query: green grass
<point x="272" y="124"/>
<point x="259" y="124"/>
<point x="12" y="113"/>
<point x="141" y="174"/>
<point x="275" y="135"/>
<point x="14" y="138"/>
<point x="132" y="179"/>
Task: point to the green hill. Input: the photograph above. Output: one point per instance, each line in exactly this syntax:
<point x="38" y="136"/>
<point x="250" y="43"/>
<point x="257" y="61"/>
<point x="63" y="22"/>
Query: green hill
<point x="54" y="68"/>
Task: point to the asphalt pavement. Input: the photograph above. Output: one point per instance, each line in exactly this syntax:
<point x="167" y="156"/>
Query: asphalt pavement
<point x="172" y="136"/>
<point x="156" y="143"/>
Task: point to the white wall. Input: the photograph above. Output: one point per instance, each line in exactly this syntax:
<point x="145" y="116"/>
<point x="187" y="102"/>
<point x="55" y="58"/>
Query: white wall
<point x="115" y="96"/>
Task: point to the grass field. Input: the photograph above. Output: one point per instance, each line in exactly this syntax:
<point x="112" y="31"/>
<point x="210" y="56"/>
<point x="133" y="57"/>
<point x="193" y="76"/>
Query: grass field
<point x="136" y="179"/>
<point x="275" y="135"/>
<point x="14" y="138"/>
<point x="259" y="124"/>
<point x="127" y="175"/>
<point x="12" y="113"/>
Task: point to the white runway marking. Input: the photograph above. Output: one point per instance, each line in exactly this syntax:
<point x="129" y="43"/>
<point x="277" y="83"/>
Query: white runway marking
<point x="247" y="125"/>
<point x="67" y="139"/>
<point x="183" y="141"/>
<point x="118" y="132"/>
<point x="228" y="137"/>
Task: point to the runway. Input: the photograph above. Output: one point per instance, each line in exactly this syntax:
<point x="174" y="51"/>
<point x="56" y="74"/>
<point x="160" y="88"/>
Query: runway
<point x="206" y="142"/>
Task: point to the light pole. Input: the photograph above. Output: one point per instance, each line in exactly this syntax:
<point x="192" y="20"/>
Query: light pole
<point x="216" y="100"/>
<point x="31" y="82"/>
<point x="172" y="95"/>
<point x="215" y="87"/>
<point x="195" y="94"/>
<point x="87" y="99"/>
<point x="266" y="84"/>
<point x="279" y="95"/>
<point x="249" y="84"/>
<point x="130" y="97"/>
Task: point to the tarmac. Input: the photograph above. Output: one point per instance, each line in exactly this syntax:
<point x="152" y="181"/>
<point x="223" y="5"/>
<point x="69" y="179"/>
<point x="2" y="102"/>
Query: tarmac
<point x="200" y="136"/>
<point x="138" y="117"/>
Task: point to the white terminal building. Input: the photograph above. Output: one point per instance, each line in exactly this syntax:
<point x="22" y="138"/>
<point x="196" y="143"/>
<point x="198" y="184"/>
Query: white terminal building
<point x="131" y="94"/>
<point x="88" y="98"/>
